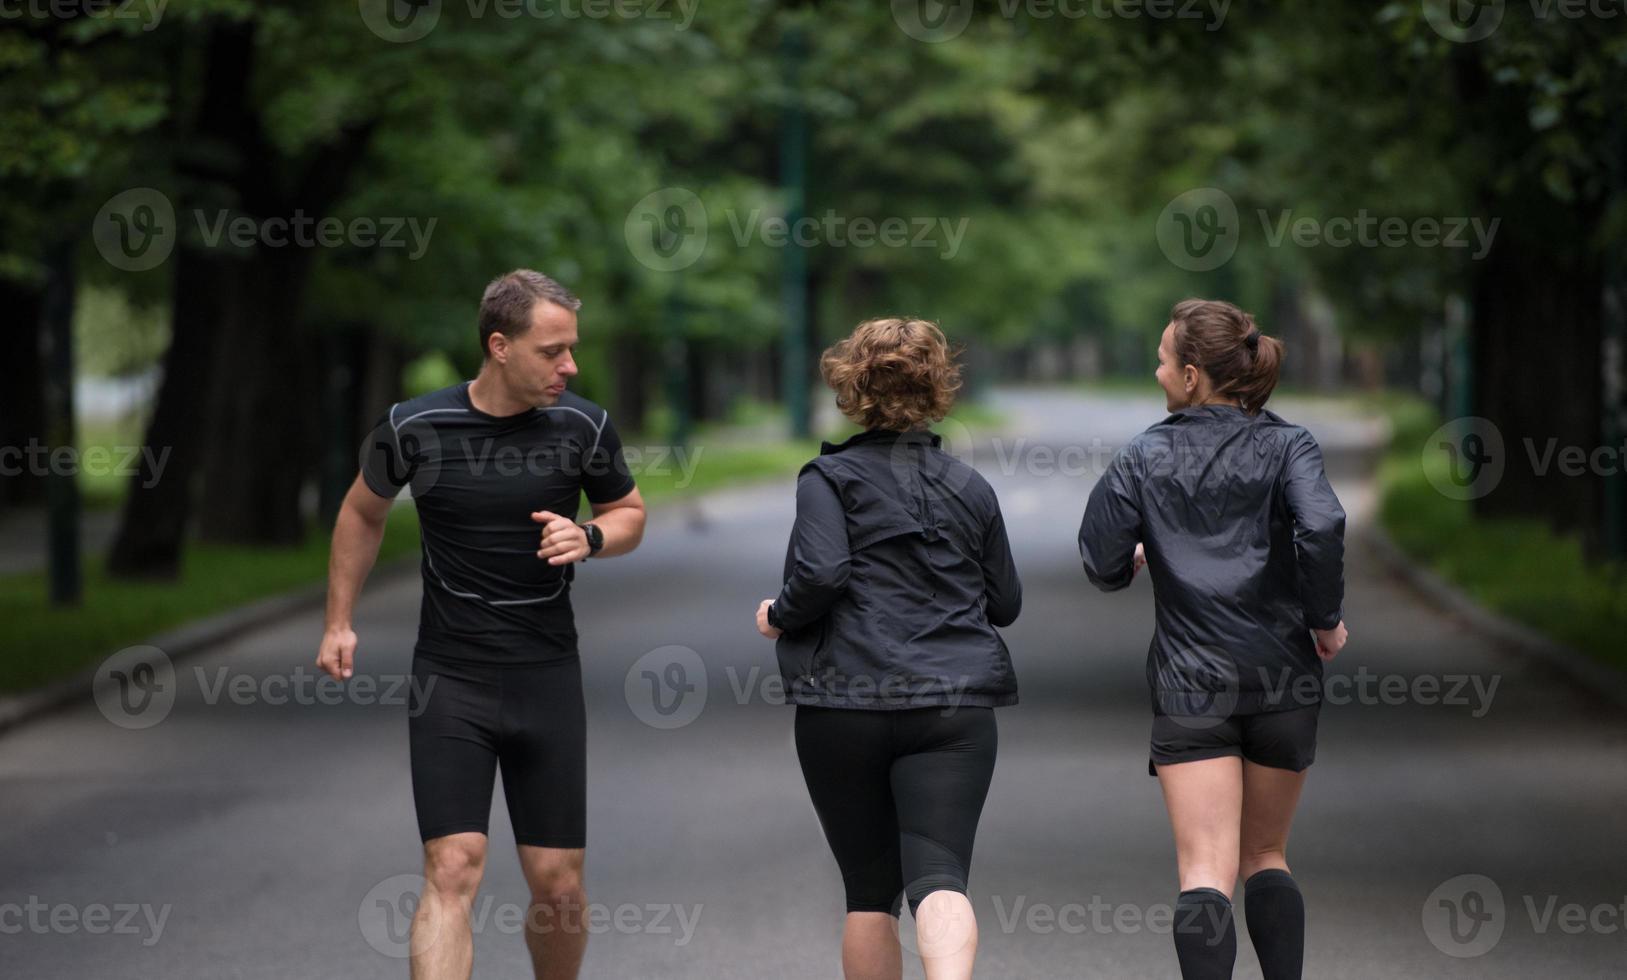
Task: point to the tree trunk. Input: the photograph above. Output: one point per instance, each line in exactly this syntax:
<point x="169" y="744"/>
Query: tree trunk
<point x="152" y="527"/>
<point x="1536" y="335"/>
<point x="262" y="439"/>
<point x="157" y="511"/>
<point x="22" y="397"/>
<point x="630" y="372"/>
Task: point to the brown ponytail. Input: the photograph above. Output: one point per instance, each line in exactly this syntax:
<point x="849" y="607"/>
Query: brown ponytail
<point x="1222" y="340"/>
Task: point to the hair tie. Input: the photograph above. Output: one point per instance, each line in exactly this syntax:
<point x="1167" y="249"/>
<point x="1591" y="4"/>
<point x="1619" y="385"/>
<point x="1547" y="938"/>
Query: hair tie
<point x="1252" y="338"/>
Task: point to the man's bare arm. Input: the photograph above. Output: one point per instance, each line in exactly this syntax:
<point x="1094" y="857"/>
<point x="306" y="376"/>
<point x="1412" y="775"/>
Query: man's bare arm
<point x="356" y="536"/>
<point x="622" y="522"/>
<point x="564" y="541"/>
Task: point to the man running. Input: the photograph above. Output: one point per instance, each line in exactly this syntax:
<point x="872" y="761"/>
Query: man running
<point x="491" y="463"/>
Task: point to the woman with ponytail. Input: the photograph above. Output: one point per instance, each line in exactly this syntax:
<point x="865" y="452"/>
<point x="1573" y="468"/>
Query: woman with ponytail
<point x="1229" y="509"/>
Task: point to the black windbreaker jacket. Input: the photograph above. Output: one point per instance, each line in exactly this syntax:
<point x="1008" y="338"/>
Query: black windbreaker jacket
<point x="897" y="573"/>
<point x="1245" y="544"/>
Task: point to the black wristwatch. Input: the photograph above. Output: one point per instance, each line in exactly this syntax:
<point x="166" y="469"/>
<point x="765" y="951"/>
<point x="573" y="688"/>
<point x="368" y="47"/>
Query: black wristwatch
<point x="595" y="539"/>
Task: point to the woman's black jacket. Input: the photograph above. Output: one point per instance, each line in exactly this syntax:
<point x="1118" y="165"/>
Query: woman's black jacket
<point x="897" y="573"/>
<point x="1245" y="544"/>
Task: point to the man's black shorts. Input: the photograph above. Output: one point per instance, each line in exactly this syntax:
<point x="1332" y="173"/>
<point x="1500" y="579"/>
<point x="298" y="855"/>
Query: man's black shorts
<point x="473" y="718"/>
<point x="1279" y="739"/>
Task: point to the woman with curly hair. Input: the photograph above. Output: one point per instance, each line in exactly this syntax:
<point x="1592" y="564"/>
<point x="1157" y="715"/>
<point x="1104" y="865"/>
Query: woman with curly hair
<point x="897" y="575"/>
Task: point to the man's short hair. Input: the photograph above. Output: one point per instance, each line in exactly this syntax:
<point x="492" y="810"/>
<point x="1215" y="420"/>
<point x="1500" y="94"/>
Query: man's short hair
<point x="505" y="306"/>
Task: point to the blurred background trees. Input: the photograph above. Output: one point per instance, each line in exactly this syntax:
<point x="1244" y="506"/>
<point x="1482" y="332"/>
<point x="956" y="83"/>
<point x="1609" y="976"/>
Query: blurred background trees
<point x="1056" y="144"/>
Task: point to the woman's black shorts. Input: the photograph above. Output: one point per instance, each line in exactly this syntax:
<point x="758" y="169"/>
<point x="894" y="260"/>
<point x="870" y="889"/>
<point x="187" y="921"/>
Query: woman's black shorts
<point x="899" y="794"/>
<point x="1279" y="739"/>
<point x="529" y="720"/>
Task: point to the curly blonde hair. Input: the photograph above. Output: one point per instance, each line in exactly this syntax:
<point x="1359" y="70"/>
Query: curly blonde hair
<point x="893" y="373"/>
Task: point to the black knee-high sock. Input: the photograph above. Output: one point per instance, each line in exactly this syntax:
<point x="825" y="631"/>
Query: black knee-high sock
<point x="1205" y="937"/>
<point x="1275" y="910"/>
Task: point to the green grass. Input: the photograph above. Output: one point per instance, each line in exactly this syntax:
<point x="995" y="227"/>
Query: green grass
<point x="707" y="465"/>
<point x="102" y="487"/>
<point x="1518" y="568"/>
<point x="44" y="642"/>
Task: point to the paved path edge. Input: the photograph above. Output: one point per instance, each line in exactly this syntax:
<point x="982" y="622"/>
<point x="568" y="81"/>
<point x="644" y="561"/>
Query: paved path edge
<point x="1602" y="679"/>
<point x="186" y="640"/>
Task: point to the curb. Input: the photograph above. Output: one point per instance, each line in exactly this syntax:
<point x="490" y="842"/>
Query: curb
<point x="183" y="641"/>
<point x="1600" y="679"/>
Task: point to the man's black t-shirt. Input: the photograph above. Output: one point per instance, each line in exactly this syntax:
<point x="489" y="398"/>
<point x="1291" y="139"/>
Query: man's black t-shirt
<point x="476" y="480"/>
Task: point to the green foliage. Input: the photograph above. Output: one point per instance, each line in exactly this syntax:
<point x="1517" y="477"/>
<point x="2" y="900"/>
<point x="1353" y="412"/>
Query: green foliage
<point x="48" y="642"/>
<point x="1519" y="568"/>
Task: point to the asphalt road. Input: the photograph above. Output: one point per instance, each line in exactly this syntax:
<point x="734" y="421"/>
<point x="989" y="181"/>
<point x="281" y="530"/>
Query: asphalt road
<point x="240" y="836"/>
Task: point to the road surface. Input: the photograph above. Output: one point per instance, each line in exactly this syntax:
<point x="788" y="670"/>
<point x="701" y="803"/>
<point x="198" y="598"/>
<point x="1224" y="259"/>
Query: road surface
<point x="246" y="834"/>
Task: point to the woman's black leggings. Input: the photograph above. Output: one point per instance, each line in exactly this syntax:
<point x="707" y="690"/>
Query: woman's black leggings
<point x="899" y="794"/>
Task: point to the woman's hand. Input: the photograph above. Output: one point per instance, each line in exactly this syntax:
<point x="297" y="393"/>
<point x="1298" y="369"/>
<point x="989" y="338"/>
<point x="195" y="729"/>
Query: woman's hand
<point x="762" y="620"/>
<point x="1140" y="560"/>
<point x="1330" y="642"/>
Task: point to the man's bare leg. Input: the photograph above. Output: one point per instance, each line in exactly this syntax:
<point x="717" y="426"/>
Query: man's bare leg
<point x="555" y="922"/>
<point x="442" y="946"/>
